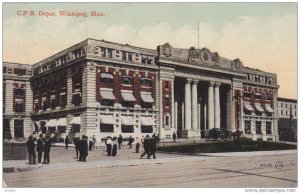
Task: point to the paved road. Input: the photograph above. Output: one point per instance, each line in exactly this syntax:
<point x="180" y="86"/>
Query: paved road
<point x="169" y="170"/>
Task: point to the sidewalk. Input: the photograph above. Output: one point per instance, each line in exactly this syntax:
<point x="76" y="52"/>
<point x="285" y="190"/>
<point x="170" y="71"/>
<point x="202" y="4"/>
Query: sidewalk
<point x="126" y="157"/>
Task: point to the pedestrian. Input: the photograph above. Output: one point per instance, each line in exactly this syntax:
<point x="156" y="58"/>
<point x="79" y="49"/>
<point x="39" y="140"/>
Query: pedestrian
<point x="31" y="150"/>
<point x="76" y="143"/>
<point x="120" y="140"/>
<point x="142" y="141"/>
<point x="137" y="145"/>
<point x="114" y="144"/>
<point x="130" y="141"/>
<point x="67" y="141"/>
<point x="146" y="146"/>
<point x="174" y="137"/>
<point x="84" y="148"/>
<point x="40" y="147"/>
<point x="152" y="148"/>
<point x="108" y="145"/>
<point x="47" y="147"/>
<point x="91" y="144"/>
<point x="94" y="141"/>
<point x="80" y="143"/>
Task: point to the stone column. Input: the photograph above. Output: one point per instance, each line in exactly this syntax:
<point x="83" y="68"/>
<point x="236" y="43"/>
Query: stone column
<point x="182" y="116"/>
<point x="69" y="87"/>
<point x="229" y="110"/>
<point x="194" y="105"/>
<point x="187" y="104"/>
<point x="175" y="115"/>
<point x="211" y="108"/>
<point x="217" y="105"/>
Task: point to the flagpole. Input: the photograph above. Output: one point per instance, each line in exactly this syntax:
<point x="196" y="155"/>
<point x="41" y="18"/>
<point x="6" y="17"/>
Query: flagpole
<point x="198" y="34"/>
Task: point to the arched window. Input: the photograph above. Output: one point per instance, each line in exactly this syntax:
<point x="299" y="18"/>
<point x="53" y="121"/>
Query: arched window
<point x="146" y="82"/>
<point x="106" y="78"/>
<point x="128" y="80"/>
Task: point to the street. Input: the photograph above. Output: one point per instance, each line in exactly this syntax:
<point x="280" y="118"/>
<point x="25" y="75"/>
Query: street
<point x="248" y="169"/>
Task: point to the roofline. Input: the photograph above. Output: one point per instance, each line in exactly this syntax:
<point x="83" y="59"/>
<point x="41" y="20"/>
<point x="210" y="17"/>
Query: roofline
<point x="286" y="99"/>
<point x="122" y="44"/>
<point x="16" y="63"/>
<point x="60" y="52"/>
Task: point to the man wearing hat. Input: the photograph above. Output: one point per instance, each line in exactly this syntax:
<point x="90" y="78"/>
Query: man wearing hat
<point x="30" y="148"/>
<point x="40" y="147"/>
<point x="47" y="147"/>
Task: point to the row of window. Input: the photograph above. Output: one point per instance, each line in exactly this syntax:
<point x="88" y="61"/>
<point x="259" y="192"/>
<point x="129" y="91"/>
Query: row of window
<point x="257" y="96"/>
<point x="126" y="56"/>
<point x="258" y="127"/>
<point x="287" y="112"/>
<point x="127" y="80"/>
<point x="16" y="71"/>
<point x="286" y="105"/>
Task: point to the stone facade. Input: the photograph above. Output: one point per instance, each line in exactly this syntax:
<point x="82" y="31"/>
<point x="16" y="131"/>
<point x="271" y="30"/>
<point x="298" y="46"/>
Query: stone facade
<point x="102" y="88"/>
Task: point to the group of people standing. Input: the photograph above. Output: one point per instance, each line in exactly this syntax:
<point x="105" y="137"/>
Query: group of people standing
<point x="148" y="143"/>
<point x="81" y="147"/>
<point x="149" y="146"/>
<point x="43" y="145"/>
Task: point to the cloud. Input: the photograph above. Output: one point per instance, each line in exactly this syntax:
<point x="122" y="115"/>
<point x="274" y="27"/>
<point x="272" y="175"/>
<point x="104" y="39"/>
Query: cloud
<point x="266" y="43"/>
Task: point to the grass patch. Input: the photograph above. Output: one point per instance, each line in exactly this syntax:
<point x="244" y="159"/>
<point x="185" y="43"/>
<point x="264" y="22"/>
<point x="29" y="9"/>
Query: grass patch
<point x="241" y="145"/>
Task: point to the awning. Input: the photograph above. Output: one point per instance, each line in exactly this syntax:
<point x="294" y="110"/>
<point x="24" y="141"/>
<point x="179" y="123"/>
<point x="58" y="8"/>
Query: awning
<point x="127" y="120"/>
<point x="128" y="96"/>
<point x="107" y="119"/>
<point x="51" y="123"/>
<point x="147" y="121"/>
<point x="259" y="108"/>
<point x="257" y="94"/>
<point x="61" y="122"/>
<point x="52" y="97"/>
<point x="75" y="120"/>
<point x="269" y="109"/>
<point x="63" y="93"/>
<point x="248" y="107"/>
<point x="19" y="100"/>
<point x="36" y="100"/>
<point x="147" y="98"/>
<point x="106" y="94"/>
<point x="44" y="99"/>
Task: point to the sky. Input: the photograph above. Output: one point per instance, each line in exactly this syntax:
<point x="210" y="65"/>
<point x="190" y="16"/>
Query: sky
<point x="262" y="35"/>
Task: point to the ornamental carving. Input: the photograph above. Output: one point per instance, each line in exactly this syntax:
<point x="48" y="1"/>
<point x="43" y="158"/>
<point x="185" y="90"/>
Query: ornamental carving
<point x="167" y="49"/>
<point x="215" y="57"/>
<point x="237" y="64"/>
<point x="196" y="55"/>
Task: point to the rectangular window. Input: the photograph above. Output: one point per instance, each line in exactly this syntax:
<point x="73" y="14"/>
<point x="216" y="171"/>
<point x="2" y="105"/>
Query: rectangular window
<point x="167" y="102"/>
<point x="52" y="129"/>
<point x="130" y="58"/>
<point x="109" y="53"/>
<point x="146" y="105"/>
<point x="61" y="129"/>
<point x="103" y="54"/>
<point x="127" y="103"/>
<point x="258" y="127"/>
<point x="107" y="128"/>
<point x="19" y="92"/>
<point x="4" y="69"/>
<point x="19" y="72"/>
<point x="146" y="129"/>
<point x="127" y="80"/>
<point x="63" y="101"/>
<point x="167" y="120"/>
<point x="76" y="99"/>
<point x="19" y="128"/>
<point x="248" y="127"/>
<point x="75" y="128"/>
<point x="19" y="107"/>
<point x="124" y="57"/>
<point x="281" y="105"/>
<point x="107" y="102"/>
<point x="127" y="128"/>
<point x="269" y="127"/>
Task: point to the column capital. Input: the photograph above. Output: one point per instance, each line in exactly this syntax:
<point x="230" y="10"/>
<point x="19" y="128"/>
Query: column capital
<point x="211" y="84"/>
<point x="217" y="84"/>
<point x="188" y="80"/>
<point x="195" y="81"/>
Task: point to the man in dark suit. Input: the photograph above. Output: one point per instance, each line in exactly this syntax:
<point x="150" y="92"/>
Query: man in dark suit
<point x="76" y="143"/>
<point x="47" y="147"/>
<point x="152" y="148"/>
<point x="84" y="148"/>
<point x="40" y="147"/>
<point x="146" y="146"/>
<point x="67" y="141"/>
<point x="30" y="148"/>
<point x="120" y="140"/>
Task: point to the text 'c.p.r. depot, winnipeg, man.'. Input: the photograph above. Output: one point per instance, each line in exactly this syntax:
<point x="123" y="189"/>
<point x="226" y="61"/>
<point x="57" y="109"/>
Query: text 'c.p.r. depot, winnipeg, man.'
<point x="32" y="13"/>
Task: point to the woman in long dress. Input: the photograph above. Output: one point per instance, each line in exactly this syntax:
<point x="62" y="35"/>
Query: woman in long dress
<point x="114" y="146"/>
